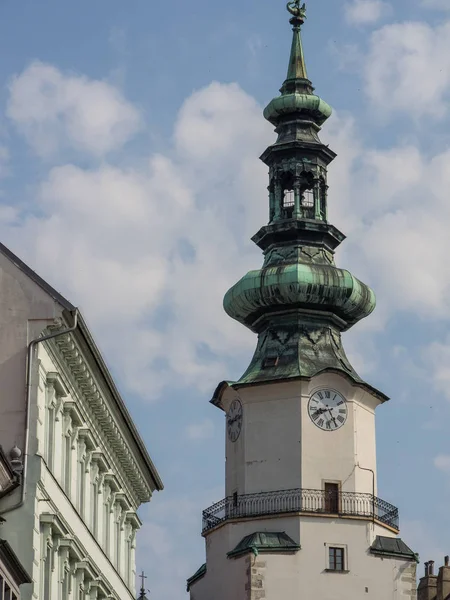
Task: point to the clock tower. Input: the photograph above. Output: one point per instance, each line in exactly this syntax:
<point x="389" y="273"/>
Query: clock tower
<point x="302" y="517"/>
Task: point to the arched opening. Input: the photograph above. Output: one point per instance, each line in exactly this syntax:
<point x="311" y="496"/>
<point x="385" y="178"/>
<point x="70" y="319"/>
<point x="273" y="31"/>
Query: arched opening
<point x="323" y="199"/>
<point x="307" y="195"/>
<point x="288" y="196"/>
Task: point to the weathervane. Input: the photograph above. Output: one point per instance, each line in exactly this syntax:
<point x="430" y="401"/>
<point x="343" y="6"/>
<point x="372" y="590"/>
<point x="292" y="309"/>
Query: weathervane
<point x="295" y="9"/>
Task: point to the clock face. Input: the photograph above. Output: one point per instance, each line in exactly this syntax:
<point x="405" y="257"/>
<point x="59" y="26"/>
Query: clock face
<point x="328" y="409"/>
<point x="234" y="420"/>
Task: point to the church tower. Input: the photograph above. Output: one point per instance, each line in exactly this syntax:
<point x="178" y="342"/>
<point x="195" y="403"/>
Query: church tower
<point x="302" y="517"/>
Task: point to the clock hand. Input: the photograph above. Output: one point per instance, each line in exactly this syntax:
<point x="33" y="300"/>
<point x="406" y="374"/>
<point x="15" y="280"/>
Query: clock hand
<point x="333" y="418"/>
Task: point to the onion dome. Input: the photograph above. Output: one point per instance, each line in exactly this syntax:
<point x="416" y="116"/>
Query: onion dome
<point x="299" y="285"/>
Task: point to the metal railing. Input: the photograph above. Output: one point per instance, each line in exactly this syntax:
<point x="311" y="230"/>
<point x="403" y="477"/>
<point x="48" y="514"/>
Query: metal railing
<point x="301" y="500"/>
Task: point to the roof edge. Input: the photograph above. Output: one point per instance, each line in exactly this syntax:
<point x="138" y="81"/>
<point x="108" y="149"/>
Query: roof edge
<point x="9" y="558"/>
<point x="88" y="338"/>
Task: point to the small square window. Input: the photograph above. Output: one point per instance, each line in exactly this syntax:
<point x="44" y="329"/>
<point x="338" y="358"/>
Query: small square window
<point x="336" y="560"/>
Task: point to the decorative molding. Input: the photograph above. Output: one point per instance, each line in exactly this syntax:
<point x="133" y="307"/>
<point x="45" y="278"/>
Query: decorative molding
<point x="70" y="408"/>
<point x="112" y="481"/>
<point x="134" y="520"/>
<point x="122" y="499"/>
<point x="98" y="406"/>
<point x="57" y="526"/>
<point x="86" y="434"/>
<point x="73" y="548"/>
<point x="99" y="458"/>
<point x="54" y="380"/>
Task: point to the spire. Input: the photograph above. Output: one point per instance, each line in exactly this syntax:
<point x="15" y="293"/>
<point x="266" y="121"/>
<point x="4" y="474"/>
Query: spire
<point x="142" y="595"/>
<point x="297" y="65"/>
<point x="299" y="302"/>
<point x="297" y="93"/>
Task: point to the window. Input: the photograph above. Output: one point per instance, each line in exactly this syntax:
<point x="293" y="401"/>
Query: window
<point x="67" y="463"/>
<point x="50" y="433"/>
<point x="332" y="498"/>
<point x="308" y="199"/>
<point x="81" y="484"/>
<point x="336" y="560"/>
<point x="47" y="575"/>
<point x="118" y="545"/>
<point x="66" y="584"/>
<point x="128" y="560"/>
<point x="106" y="524"/>
<point x="323" y="199"/>
<point x="288" y="199"/>
<point x="94" y="507"/>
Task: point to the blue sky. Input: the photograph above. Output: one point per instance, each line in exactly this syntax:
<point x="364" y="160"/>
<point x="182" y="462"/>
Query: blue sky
<point x="129" y="178"/>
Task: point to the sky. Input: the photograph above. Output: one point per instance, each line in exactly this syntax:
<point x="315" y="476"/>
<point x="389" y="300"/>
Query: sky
<point x="129" y="179"/>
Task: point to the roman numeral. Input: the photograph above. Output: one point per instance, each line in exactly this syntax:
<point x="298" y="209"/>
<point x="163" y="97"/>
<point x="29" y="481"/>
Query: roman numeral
<point x="340" y="402"/>
<point x="327" y="394"/>
<point x="342" y="411"/>
<point x="328" y="424"/>
<point x="320" y="395"/>
<point x="340" y="419"/>
<point x="320" y="422"/>
<point x="315" y="416"/>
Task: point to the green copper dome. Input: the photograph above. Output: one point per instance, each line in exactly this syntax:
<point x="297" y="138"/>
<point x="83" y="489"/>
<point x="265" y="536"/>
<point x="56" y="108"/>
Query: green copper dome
<point x="300" y="104"/>
<point x="312" y="287"/>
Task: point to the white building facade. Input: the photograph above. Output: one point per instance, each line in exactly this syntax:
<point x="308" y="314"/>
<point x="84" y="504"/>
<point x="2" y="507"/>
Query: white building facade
<point x="302" y="517"/>
<point x="73" y="520"/>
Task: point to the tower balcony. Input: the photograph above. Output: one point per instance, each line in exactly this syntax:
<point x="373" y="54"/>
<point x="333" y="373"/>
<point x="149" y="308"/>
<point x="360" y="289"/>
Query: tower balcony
<point x="304" y="501"/>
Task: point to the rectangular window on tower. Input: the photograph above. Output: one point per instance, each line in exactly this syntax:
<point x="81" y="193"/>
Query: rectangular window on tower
<point x="336" y="559"/>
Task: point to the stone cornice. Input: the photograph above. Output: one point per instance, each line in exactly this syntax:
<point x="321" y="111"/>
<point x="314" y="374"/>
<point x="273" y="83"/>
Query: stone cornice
<point x="134" y="520"/>
<point x="85" y="434"/>
<point x="54" y="379"/>
<point x="100" y="408"/>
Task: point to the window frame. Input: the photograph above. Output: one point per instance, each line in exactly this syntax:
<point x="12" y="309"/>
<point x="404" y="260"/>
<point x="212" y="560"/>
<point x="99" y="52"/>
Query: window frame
<point x="328" y="500"/>
<point x="331" y="565"/>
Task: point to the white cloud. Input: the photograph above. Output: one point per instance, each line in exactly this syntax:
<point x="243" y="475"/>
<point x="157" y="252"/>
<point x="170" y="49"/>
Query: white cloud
<point x="393" y="205"/>
<point x="160" y="246"/>
<point x="408" y="69"/>
<point x="366" y="12"/>
<point x="163" y="243"/>
<point x="69" y="110"/>
<point x="442" y="462"/>
<point x="200" y="431"/>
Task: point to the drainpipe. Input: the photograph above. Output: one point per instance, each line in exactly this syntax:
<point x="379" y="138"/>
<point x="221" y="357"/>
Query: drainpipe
<point x="31" y="347"/>
<point x="373" y="490"/>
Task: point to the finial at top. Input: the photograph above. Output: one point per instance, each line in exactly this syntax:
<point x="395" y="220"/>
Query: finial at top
<point x="298" y="11"/>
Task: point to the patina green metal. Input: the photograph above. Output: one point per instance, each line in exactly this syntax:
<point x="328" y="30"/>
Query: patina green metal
<point x="298" y="103"/>
<point x="297" y="65"/>
<point x="299" y="302"/>
<point x="264" y="542"/>
<point x="393" y="547"/>
<point x="201" y="572"/>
